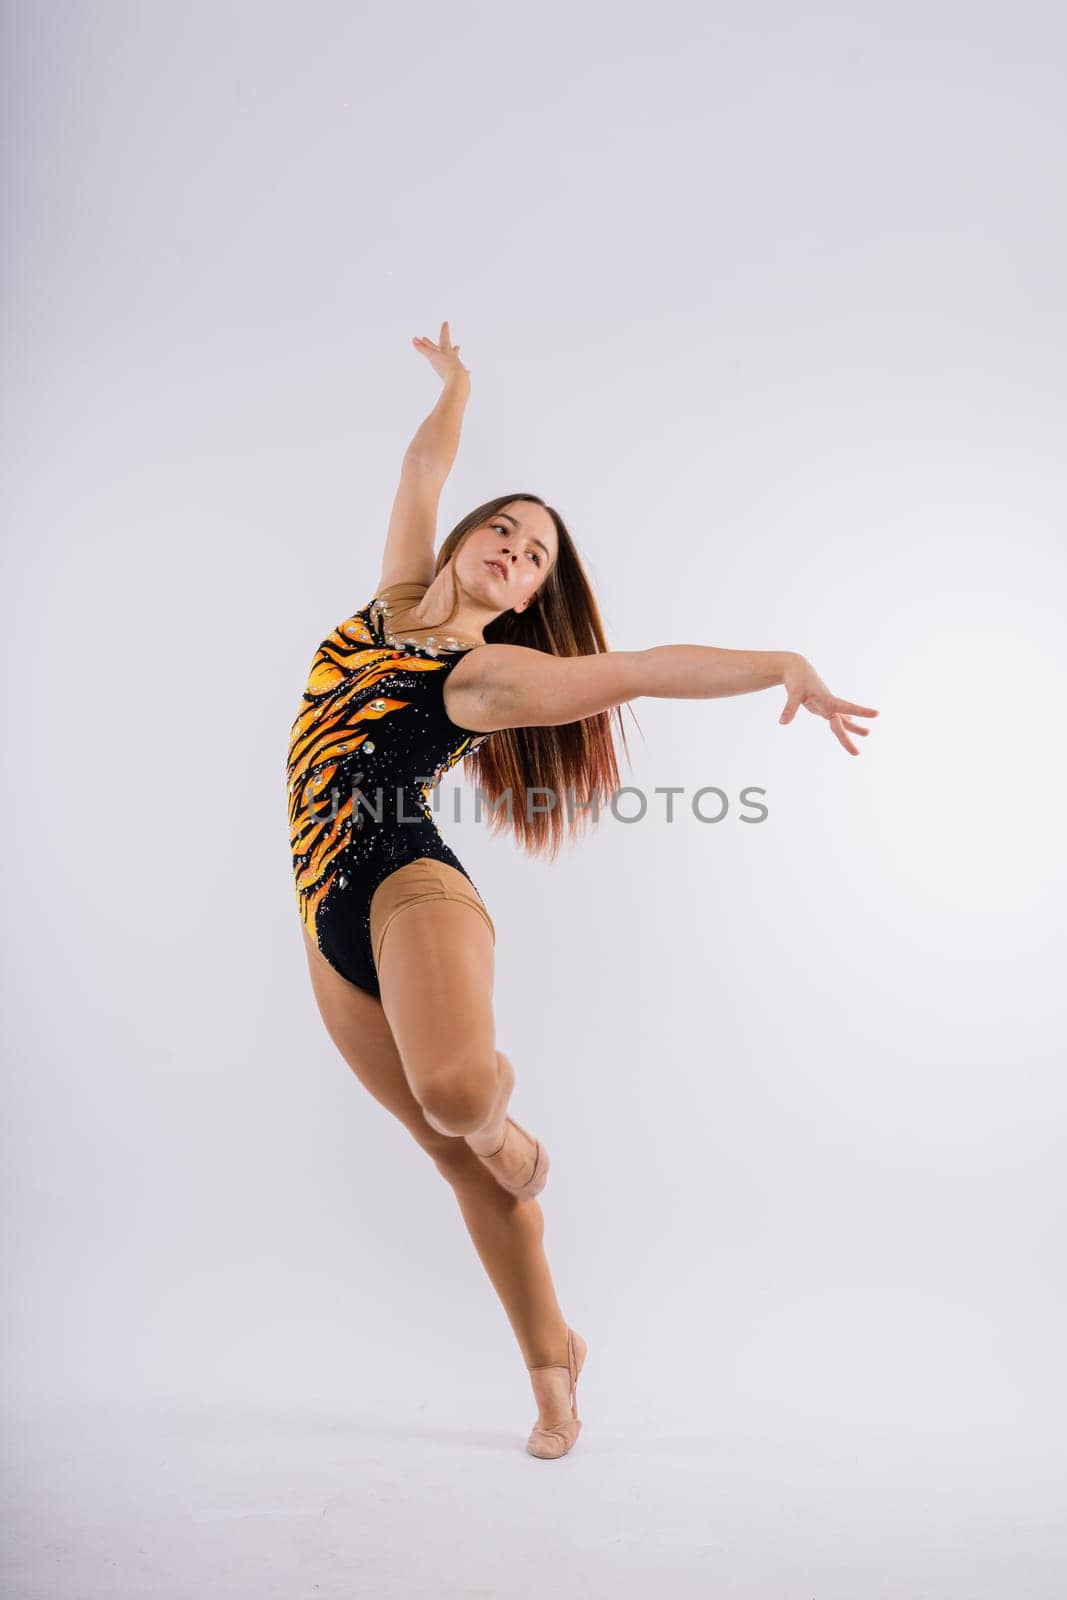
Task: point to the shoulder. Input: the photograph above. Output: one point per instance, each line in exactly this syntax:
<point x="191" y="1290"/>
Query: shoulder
<point x="474" y="684"/>
<point x="518" y="687"/>
<point x="490" y="664"/>
<point x="479" y="682"/>
<point x="403" y="591"/>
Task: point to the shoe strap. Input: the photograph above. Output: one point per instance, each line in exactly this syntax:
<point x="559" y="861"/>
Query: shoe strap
<point x="489" y="1156"/>
<point x="571" y="1369"/>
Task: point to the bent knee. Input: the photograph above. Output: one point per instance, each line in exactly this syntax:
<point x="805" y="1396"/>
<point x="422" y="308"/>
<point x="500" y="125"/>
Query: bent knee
<point x="460" y="1095"/>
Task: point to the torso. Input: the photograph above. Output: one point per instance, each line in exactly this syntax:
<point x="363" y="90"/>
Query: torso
<point x="463" y="685"/>
<point x="376" y="717"/>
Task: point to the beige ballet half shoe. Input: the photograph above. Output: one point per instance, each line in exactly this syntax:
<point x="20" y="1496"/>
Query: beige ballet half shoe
<point x="551" y="1443"/>
<point x="538" y="1177"/>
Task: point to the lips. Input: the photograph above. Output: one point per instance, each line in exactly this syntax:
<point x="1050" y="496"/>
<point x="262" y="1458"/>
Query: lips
<point x="499" y="567"/>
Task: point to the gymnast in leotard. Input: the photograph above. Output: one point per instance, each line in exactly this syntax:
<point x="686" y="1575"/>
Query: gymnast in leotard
<point x="490" y="652"/>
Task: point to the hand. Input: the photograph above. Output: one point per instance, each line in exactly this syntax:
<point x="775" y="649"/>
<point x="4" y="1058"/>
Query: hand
<point x="805" y="688"/>
<point x="443" y="357"/>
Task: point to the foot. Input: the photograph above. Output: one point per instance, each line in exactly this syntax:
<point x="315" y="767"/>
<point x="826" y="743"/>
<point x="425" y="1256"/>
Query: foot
<point x="515" y="1161"/>
<point x="552" y="1389"/>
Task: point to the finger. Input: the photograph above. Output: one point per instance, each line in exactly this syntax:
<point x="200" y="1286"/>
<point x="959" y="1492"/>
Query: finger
<point x="790" y="709"/>
<point x="855" y="727"/>
<point x="843" y="738"/>
<point x="859" y="711"/>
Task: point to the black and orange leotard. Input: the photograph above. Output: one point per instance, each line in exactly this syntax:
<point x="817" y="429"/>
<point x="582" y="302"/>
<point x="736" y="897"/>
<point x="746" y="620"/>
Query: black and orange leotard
<point x="370" y="741"/>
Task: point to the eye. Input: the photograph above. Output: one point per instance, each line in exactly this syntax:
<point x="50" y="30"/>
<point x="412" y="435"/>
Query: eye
<point x="498" y="527"/>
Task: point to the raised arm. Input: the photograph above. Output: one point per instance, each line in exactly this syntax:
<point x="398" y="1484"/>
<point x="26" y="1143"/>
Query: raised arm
<point x="408" y="556"/>
<point x="521" y="688"/>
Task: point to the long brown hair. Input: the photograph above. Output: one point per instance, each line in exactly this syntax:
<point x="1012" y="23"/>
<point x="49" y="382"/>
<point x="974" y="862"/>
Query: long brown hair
<point x="573" y="761"/>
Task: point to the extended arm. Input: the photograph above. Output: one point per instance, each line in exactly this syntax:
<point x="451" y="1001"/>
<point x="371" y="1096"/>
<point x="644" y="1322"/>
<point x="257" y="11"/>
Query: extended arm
<point x="521" y="688"/>
<point x="706" y="672"/>
<point x="408" y="556"/>
<point x="436" y="440"/>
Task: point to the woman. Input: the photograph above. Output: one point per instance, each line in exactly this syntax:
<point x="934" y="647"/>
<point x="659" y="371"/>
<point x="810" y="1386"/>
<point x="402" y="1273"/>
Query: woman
<point x="492" y="651"/>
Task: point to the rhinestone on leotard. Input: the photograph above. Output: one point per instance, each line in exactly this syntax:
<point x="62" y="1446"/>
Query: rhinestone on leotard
<point x="368" y="745"/>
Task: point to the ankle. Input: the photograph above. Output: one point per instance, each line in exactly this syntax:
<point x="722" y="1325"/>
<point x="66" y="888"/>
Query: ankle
<point x="547" y="1360"/>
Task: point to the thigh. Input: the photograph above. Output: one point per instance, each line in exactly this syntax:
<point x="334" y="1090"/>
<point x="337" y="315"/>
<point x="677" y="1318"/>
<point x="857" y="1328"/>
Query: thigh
<point x="358" y="1026"/>
<point x="435" y="951"/>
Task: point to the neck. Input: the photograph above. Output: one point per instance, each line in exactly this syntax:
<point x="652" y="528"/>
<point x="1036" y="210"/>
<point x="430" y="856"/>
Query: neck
<point x="469" y="620"/>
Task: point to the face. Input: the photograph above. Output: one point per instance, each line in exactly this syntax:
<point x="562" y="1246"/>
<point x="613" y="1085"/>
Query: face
<point x="504" y="562"/>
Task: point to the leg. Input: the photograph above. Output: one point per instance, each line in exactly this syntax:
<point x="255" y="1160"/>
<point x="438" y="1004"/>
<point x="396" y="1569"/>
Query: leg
<point x="507" y="1233"/>
<point x="434" y="956"/>
<point x="433" y="945"/>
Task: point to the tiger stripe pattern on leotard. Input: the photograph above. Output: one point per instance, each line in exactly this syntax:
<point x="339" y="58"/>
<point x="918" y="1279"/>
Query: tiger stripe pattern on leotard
<point x="355" y="722"/>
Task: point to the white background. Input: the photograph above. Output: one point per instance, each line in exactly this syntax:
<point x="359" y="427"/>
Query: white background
<point x="767" y="301"/>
